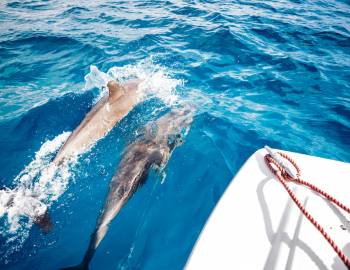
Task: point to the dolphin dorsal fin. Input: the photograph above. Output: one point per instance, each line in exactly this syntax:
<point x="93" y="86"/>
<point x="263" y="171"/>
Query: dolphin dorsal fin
<point x="115" y="90"/>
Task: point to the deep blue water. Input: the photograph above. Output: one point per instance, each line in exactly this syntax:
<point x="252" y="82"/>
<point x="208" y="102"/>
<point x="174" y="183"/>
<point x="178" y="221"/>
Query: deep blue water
<point x="259" y="72"/>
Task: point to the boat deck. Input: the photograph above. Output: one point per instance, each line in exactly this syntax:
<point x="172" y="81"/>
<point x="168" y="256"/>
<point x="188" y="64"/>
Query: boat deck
<point x="256" y="225"/>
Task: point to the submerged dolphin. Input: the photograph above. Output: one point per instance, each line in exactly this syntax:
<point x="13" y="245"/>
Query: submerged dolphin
<point x="153" y="150"/>
<point x="101" y="119"/>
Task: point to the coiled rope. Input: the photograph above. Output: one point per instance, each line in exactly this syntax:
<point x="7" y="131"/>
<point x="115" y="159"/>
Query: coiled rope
<point x="284" y="178"/>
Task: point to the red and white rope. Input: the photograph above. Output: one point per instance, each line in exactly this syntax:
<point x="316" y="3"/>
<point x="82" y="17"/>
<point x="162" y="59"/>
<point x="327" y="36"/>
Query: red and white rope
<point x="284" y="178"/>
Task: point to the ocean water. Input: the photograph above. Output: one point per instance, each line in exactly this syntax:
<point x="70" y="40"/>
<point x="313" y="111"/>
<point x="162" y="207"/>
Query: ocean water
<point x="273" y="72"/>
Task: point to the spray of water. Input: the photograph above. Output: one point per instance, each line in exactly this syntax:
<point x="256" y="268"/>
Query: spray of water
<point x="156" y="81"/>
<point x="37" y="186"/>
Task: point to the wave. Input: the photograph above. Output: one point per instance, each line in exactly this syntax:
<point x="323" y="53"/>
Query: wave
<point x="36" y="67"/>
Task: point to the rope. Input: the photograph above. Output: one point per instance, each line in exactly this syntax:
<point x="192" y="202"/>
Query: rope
<point x="284" y="178"/>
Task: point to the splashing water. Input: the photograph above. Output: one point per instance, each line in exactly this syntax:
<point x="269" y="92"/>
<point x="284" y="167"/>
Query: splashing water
<point x="37" y="186"/>
<point x="155" y="80"/>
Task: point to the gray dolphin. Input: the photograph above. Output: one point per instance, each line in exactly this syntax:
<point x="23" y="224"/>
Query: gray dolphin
<point x="152" y="150"/>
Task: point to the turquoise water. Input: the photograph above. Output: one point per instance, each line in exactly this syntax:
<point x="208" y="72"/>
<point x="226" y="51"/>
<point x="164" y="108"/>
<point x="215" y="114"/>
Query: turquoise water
<point x="259" y="72"/>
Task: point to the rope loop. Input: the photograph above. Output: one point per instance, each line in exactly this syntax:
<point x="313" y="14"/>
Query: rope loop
<point x="284" y="177"/>
<point x="279" y="168"/>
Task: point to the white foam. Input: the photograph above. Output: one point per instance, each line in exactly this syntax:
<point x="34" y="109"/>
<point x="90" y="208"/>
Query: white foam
<point x="96" y="78"/>
<point x="156" y="81"/>
<point x="37" y="186"/>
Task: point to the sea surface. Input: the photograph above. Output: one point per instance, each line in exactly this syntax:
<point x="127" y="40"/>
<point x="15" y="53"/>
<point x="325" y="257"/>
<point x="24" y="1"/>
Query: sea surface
<point x="257" y="72"/>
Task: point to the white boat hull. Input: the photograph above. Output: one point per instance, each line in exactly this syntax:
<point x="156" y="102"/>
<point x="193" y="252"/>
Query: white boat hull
<point x="256" y="225"/>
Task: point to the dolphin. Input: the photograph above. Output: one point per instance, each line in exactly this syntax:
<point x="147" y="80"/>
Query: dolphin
<point x="111" y="108"/>
<point x="153" y="150"/>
